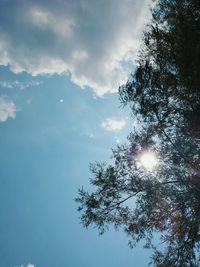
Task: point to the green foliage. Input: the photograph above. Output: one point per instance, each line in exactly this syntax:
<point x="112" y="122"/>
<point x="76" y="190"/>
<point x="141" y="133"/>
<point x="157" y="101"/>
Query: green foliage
<point x="164" y="96"/>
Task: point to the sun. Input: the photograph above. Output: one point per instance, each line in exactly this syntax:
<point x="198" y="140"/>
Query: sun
<point x="148" y="160"/>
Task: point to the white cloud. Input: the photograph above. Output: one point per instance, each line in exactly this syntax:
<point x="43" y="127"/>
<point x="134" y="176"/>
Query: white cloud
<point x="7" y="109"/>
<point x="113" y="124"/>
<point x="91" y="41"/>
<point x="29" y="265"/>
<point x="90" y="135"/>
<point x="46" y="20"/>
<point x="18" y="84"/>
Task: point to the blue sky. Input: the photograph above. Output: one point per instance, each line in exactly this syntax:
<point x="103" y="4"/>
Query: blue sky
<point x="60" y="65"/>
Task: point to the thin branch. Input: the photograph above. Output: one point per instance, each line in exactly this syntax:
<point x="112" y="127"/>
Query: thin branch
<point x="169" y="139"/>
<point x="116" y="205"/>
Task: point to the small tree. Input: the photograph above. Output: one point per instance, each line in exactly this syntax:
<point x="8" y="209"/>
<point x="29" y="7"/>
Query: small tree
<point x="162" y="196"/>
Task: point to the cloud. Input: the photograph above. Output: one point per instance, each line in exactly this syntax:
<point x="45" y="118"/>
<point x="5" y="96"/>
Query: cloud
<point x="18" y="84"/>
<point x="29" y="265"/>
<point x="90" y="135"/>
<point x="113" y="124"/>
<point x="7" y="109"/>
<point x="93" y="42"/>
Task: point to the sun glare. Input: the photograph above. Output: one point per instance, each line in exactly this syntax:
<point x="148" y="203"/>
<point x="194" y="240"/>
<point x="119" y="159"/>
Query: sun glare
<point x="148" y="160"/>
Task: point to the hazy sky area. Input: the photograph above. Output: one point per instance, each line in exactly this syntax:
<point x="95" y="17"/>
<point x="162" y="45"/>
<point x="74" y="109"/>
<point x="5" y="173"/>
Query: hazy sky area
<point x="61" y="63"/>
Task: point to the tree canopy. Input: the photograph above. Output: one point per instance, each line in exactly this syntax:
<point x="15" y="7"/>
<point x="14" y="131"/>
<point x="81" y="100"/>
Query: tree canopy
<point x="164" y="96"/>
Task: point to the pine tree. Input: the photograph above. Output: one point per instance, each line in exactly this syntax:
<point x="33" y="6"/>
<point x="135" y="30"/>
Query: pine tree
<point x="163" y="196"/>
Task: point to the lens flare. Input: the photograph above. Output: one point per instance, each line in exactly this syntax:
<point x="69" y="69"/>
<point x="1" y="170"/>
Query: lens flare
<point x="148" y="160"/>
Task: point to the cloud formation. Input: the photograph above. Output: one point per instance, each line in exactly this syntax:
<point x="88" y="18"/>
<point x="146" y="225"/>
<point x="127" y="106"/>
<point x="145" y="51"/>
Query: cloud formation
<point x="7" y="109"/>
<point x="91" y="41"/>
<point x="110" y="124"/>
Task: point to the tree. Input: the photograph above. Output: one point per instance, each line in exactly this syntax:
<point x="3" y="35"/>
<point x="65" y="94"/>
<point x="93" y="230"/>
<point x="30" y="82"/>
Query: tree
<point x="164" y="95"/>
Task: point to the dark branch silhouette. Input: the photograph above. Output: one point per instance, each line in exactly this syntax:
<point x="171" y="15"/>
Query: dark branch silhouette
<point x="164" y="96"/>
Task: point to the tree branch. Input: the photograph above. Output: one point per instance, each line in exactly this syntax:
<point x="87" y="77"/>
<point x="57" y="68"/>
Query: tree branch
<point x="169" y="139"/>
<point x="116" y="205"/>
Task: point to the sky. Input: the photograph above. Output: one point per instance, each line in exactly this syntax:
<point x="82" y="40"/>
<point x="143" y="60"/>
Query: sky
<point x="61" y="63"/>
